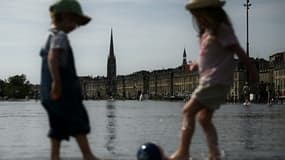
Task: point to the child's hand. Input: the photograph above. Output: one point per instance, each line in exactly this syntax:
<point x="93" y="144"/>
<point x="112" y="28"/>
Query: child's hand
<point x="55" y="92"/>
<point x="193" y="66"/>
<point x="190" y="67"/>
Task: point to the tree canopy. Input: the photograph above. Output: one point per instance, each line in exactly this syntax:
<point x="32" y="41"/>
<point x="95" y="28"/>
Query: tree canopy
<point x="15" y="87"/>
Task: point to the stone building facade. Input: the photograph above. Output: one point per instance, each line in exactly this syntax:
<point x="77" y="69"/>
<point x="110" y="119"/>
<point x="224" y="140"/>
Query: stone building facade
<point x="277" y="61"/>
<point x="179" y="82"/>
<point x="135" y="84"/>
<point x="160" y="83"/>
<point x="94" y="88"/>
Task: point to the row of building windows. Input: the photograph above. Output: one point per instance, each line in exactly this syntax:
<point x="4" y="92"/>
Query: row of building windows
<point x="173" y="82"/>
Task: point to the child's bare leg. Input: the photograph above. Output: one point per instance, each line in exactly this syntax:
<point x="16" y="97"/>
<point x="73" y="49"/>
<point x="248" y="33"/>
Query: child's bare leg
<point x="190" y="110"/>
<point x="55" y="149"/>
<point x="85" y="148"/>
<point x="205" y="119"/>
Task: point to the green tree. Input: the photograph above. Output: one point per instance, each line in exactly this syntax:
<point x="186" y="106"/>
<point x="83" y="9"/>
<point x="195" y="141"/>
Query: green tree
<point x="2" y="84"/>
<point x="17" y="87"/>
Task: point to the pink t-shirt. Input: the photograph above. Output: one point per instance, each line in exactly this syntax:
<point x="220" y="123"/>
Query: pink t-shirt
<point x="216" y="60"/>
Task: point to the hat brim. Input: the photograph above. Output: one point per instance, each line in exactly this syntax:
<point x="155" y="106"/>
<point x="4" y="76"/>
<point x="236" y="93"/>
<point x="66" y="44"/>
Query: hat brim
<point x="198" y="5"/>
<point x="80" y="18"/>
<point x="83" y="20"/>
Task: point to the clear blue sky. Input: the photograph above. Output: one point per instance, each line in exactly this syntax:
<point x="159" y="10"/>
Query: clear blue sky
<point x="148" y="35"/>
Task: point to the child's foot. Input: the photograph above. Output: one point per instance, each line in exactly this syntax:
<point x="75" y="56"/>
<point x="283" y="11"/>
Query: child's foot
<point x="216" y="157"/>
<point x="177" y="156"/>
<point x="55" y="158"/>
<point x="91" y="157"/>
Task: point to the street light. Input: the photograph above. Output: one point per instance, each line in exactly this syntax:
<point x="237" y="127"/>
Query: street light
<point x="247" y="5"/>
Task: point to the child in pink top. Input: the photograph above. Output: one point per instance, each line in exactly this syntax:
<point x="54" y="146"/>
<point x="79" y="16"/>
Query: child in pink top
<point x="218" y="44"/>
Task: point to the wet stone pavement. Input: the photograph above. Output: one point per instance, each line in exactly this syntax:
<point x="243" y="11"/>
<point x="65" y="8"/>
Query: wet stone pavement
<point x="256" y="132"/>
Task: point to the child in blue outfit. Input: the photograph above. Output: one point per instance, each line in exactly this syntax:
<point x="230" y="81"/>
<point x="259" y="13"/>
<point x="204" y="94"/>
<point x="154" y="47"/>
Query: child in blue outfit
<point x="60" y="87"/>
<point x="218" y="44"/>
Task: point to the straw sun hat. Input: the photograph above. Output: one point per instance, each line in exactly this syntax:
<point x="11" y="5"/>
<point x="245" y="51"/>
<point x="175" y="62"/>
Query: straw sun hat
<point x="195" y="4"/>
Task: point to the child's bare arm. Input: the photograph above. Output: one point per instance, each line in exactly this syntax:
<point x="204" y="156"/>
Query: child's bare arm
<point x="245" y="59"/>
<point x="192" y="66"/>
<point x="53" y="63"/>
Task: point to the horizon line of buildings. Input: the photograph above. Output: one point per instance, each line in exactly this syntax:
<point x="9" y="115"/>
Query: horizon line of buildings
<point x="179" y="82"/>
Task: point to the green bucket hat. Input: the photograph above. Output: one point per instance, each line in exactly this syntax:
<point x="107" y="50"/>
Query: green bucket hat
<point x="71" y="6"/>
<point x="196" y="4"/>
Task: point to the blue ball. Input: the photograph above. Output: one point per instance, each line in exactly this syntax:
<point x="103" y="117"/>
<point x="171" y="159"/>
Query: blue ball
<point x="149" y="151"/>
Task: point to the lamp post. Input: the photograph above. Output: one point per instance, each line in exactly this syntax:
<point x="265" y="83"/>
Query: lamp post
<point x="247" y="5"/>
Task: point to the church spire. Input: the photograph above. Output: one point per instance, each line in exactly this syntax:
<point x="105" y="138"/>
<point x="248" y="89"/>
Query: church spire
<point x="111" y="70"/>
<point x="184" y="57"/>
<point x="111" y="51"/>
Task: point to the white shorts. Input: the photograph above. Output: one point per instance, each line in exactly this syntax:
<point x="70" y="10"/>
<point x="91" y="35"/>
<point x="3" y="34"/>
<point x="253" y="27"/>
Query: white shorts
<point x="211" y="96"/>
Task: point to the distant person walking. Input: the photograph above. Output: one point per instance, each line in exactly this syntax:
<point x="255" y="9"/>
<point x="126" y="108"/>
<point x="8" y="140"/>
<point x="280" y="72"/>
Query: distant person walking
<point x="246" y="92"/>
<point x="60" y="87"/>
<point x="218" y="44"/>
